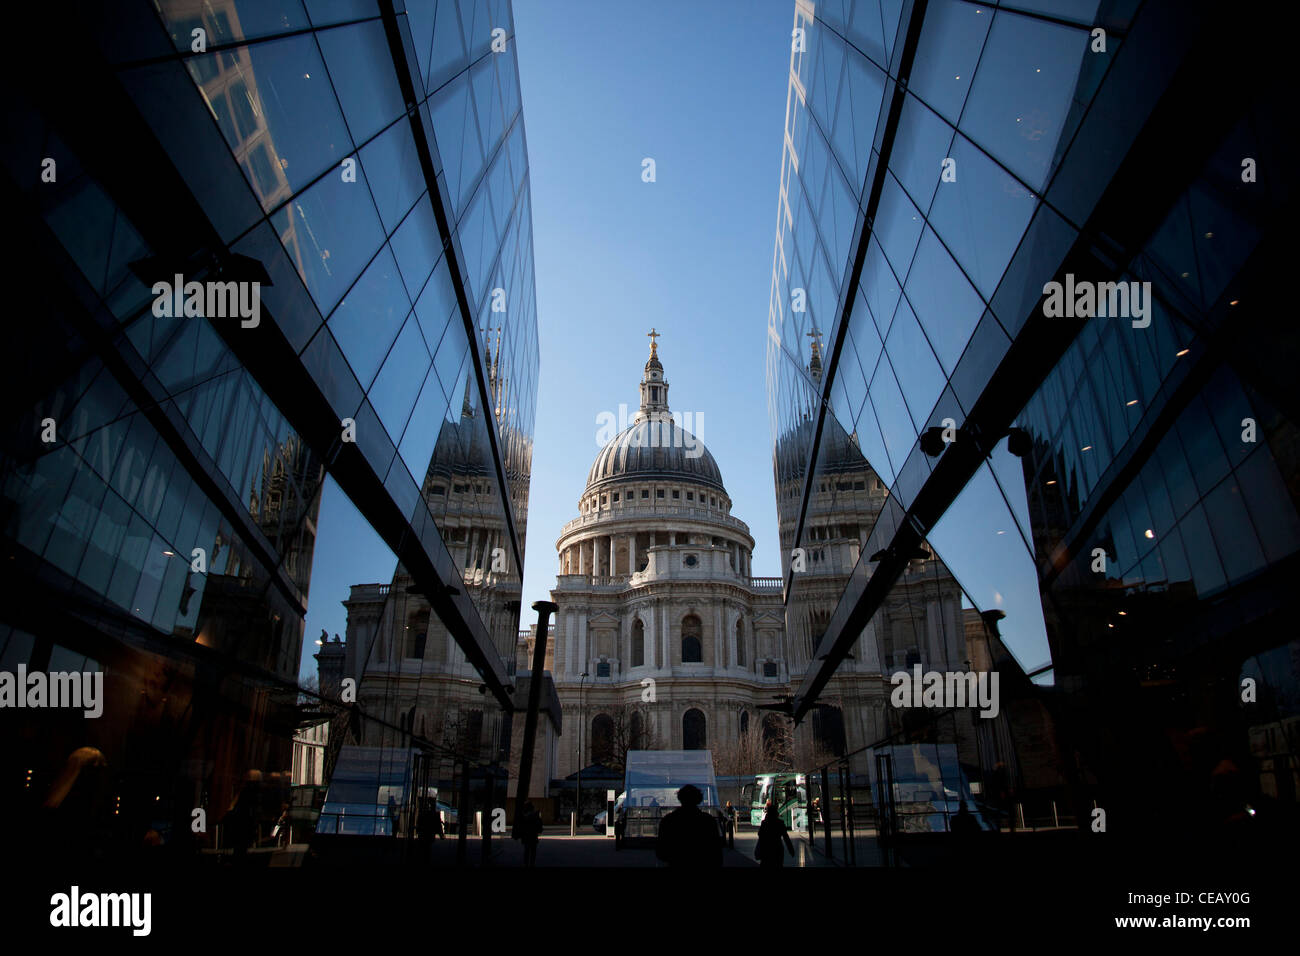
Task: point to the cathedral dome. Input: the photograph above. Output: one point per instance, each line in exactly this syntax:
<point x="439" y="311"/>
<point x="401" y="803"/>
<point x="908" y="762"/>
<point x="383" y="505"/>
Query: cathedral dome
<point x="655" y="449"/>
<point x="654" y="446"/>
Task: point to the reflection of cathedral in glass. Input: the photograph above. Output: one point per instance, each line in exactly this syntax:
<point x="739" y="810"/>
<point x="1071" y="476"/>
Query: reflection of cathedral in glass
<point x="372" y="177"/>
<point x="416" y="680"/>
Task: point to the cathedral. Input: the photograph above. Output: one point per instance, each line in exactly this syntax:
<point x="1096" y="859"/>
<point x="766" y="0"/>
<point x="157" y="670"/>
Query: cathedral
<point x="663" y="639"/>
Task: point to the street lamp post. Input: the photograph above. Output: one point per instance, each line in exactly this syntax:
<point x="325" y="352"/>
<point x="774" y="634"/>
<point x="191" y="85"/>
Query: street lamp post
<point x="578" y="804"/>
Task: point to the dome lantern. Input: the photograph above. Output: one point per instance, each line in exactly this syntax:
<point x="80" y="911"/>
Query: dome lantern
<point x="654" y="390"/>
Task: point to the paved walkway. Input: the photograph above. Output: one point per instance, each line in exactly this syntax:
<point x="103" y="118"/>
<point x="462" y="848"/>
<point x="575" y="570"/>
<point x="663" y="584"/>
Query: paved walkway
<point x="557" y="848"/>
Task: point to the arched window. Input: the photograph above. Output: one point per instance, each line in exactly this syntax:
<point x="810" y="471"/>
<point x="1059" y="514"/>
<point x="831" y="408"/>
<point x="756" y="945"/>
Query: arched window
<point x="828" y="729"/>
<point x="634" y="736"/>
<point x="602" y="739"/>
<point x="740" y="642"/>
<point x="638" y="642"/>
<point x="692" y="648"/>
<point x="416" y="634"/>
<point x="694" y="736"/>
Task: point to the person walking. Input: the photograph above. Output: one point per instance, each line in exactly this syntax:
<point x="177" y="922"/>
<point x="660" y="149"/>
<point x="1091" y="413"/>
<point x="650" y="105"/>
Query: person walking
<point x="528" y="830"/>
<point x="771" y="832"/>
<point x="689" y="837"/>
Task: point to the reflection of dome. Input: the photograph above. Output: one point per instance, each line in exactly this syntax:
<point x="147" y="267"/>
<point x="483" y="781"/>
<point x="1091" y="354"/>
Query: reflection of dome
<point x="462" y="447"/>
<point x="837" y="453"/>
<point x="655" y="449"/>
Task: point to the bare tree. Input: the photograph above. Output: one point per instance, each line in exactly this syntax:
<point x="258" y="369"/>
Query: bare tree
<point x="745" y="756"/>
<point x="786" y="749"/>
<point x="627" y="737"/>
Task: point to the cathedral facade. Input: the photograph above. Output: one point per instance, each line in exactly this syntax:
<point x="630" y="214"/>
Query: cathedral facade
<point x="665" y="640"/>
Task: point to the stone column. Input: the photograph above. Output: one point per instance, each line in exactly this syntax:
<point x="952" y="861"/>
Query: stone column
<point x="731" y="642"/>
<point x="612" y="562"/>
<point x="648" y="637"/>
<point x="582" y="642"/>
<point x="954" y="633"/>
<point x="631" y="553"/>
<point x="934" y="649"/>
<point x="672" y="538"/>
<point x="719" y="637"/>
<point x="665" y="658"/>
<point x="582" y="557"/>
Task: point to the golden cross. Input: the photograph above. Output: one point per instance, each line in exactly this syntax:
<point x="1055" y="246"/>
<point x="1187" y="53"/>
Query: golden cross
<point x="652" y="335"/>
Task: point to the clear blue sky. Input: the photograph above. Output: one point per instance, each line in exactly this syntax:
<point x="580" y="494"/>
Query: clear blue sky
<point x="700" y="88"/>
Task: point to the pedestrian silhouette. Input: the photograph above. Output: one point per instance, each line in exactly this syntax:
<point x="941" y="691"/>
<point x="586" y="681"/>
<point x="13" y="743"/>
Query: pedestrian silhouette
<point x="689" y="837"/>
<point x="435" y="821"/>
<point x="528" y="830"/>
<point x="963" y="827"/>
<point x="772" y="833"/>
<point x="240" y="822"/>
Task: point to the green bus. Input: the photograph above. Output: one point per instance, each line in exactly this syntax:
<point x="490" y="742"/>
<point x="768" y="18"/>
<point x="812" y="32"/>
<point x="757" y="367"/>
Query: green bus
<point x="788" y="793"/>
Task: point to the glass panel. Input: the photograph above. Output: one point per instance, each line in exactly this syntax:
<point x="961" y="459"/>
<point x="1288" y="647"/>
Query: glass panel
<point x="330" y="233"/>
<point x="283" y="100"/>
<point x="944" y="302"/>
<point x="949" y="48"/>
<point x="368" y="318"/>
<point x="1233" y="531"/>
<point x="898" y="227"/>
<point x="324" y="12"/>
<point x="920" y="146"/>
<point x="860" y="104"/>
<point x="397" y="385"/>
<point x="436" y="304"/>
<point x="456" y="134"/>
<point x="895" y="422"/>
<point x="908" y="349"/>
<point x="976" y="538"/>
<point x="1023" y="91"/>
<point x="361" y="69"/>
<point x="1271" y="509"/>
<point x="393" y="171"/>
<point x="982" y="216"/>
<point x="417" y="443"/>
<point x="226" y="24"/>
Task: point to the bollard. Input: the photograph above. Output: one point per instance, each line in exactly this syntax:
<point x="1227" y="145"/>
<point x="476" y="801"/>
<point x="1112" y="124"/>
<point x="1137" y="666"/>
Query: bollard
<point x="573" y="823"/>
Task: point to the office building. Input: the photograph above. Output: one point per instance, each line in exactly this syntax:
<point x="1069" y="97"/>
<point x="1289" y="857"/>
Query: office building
<point x="342" y="190"/>
<point x="1112" y="482"/>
